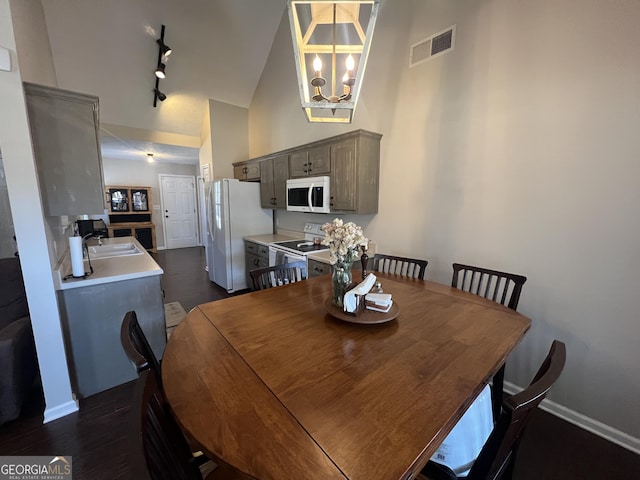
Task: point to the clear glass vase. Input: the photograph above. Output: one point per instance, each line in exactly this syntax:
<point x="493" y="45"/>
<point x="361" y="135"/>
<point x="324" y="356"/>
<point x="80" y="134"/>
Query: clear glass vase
<point x="341" y="279"/>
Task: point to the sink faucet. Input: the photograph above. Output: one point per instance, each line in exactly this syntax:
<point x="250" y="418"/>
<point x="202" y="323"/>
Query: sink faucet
<point x="85" y="249"/>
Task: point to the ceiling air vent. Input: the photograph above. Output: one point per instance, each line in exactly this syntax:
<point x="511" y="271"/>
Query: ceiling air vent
<point x="433" y="46"/>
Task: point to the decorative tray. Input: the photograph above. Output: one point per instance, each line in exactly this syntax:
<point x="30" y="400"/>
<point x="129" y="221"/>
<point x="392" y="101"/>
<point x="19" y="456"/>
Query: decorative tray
<point x="366" y="316"/>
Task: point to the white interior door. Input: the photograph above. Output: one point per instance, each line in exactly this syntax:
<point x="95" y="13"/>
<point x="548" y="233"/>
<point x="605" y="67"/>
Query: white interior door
<point x="179" y="215"/>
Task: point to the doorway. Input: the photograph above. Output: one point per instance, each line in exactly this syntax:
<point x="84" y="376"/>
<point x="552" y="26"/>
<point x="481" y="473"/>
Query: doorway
<point x="179" y="216"/>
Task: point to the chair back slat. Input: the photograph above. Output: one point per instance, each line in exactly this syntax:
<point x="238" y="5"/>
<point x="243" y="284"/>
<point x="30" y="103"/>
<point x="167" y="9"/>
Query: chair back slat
<point x="278" y="275"/>
<point x="402" y="266"/>
<point x="500" y="287"/>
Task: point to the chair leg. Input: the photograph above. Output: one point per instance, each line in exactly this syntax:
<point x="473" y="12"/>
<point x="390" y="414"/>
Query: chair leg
<point x="496" y="393"/>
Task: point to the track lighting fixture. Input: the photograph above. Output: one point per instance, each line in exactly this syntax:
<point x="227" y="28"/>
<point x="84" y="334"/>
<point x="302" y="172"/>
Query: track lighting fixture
<point x="163" y="52"/>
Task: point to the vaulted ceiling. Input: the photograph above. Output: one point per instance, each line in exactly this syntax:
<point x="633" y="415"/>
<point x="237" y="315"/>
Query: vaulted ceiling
<point x="109" y="49"/>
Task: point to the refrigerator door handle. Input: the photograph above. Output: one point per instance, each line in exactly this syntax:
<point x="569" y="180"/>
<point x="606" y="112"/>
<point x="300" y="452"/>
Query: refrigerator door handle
<point x="210" y="212"/>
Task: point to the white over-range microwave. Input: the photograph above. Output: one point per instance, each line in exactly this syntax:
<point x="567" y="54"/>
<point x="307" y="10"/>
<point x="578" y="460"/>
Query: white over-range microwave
<point x="310" y="194"/>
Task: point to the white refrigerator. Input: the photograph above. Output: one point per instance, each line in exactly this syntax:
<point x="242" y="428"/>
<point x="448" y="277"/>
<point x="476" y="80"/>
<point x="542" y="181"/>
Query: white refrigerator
<point x="232" y="212"/>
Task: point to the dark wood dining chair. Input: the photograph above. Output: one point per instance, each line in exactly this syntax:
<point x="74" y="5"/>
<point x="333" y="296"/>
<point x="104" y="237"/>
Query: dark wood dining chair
<point x="497" y="458"/>
<point x="138" y="350"/>
<point x="406" y="267"/>
<point x="137" y="347"/>
<point x="159" y="449"/>
<point x="500" y="287"/>
<point x="278" y="275"/>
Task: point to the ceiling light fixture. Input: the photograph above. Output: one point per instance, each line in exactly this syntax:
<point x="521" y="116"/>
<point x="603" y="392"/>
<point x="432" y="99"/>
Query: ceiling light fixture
<point x="150" y="157"/>
<point x="163" y="52"/>
<point x="333" y="36"/>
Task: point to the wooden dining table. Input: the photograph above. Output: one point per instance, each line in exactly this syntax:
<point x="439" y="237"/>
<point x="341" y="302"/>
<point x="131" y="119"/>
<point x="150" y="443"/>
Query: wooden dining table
<point x="278" y="388"/>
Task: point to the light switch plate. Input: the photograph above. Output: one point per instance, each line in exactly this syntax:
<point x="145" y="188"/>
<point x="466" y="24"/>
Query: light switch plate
<point x="5" y="59"/>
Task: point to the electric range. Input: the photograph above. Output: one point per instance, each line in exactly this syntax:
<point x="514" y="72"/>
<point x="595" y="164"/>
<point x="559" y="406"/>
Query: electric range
<point x="297" y="250"/>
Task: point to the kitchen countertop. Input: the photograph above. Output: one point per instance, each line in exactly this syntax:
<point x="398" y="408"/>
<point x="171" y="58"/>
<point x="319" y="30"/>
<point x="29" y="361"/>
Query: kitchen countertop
<point x="320" y="256"/>
<point x="107" y="270"/>
<point x="270" y="238"/>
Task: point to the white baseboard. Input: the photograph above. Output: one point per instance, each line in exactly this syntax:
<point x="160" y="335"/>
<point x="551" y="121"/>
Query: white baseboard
<point x="53" y="413"/>
<point x="598" y="428"/>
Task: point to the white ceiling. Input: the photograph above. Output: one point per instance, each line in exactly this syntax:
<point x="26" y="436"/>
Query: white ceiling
<point x="126" y="149"/>
<point x="109" y="49"/>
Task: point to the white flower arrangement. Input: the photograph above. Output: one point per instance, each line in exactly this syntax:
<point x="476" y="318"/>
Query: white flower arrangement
<point x="345" y="240"/>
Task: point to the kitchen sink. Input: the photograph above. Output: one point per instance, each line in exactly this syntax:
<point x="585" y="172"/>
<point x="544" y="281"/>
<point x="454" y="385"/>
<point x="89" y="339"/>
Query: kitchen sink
<point x="113" y="250"/>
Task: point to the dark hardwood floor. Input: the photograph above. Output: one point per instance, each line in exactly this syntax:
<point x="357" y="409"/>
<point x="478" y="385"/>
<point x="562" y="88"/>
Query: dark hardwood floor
<point x="185" y="280"/>
<point x="96" y="436"/>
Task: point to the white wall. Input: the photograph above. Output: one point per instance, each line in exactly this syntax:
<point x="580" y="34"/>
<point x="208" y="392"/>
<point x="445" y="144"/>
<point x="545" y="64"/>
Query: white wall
<point x="229" y="137"/>
<point x="517" y="151"/>
<point x="145" y="174"/>
<point x="26" y="208"/>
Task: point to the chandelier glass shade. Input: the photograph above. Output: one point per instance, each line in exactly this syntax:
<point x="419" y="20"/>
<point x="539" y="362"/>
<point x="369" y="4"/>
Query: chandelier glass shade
<point x="331" y="41"/>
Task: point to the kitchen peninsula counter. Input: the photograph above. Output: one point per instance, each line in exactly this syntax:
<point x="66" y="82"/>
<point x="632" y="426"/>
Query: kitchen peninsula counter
<point x="110" y="269"/>
<point x="92" y="310"/>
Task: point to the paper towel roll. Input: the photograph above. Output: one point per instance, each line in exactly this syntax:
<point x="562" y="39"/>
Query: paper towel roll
<point x="75" y="251"/>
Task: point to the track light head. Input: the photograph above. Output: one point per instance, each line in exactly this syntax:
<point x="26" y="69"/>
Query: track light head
<point x="160" y="70"/>
<point x="159" y="95"/>
<point x="165" y="49"/>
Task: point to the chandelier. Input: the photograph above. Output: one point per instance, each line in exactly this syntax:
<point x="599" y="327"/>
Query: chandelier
<point x="331" y="41"/>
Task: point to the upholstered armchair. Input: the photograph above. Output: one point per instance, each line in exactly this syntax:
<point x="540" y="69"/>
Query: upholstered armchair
<point x="18" y="362"/>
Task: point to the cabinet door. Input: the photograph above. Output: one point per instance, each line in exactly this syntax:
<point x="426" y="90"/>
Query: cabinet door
<point x="122" y="232"/>
<point x="250" y="248"/>
<point x="140" y="200"/>
<point x="247" y="171"/>
<point x="118" y="200"/>
<point x="319" y="162"/>
<point x="239" y="172"/>
<point x="263" y="253"/>
<point x="316" y="268"/>
<point x="298" y="164"/>
<point x="252" y="171"/>
<point x="343" y="175"/>
<point x="64" y="131"/>
<point x="145" y="237"/>
<point x="267" y="197"/>
<point x="280" y="176"/>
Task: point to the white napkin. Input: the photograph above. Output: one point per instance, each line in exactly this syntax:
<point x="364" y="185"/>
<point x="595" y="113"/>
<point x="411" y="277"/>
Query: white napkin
<point x="350" y="302"/>
<point x="380" y="299"/>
